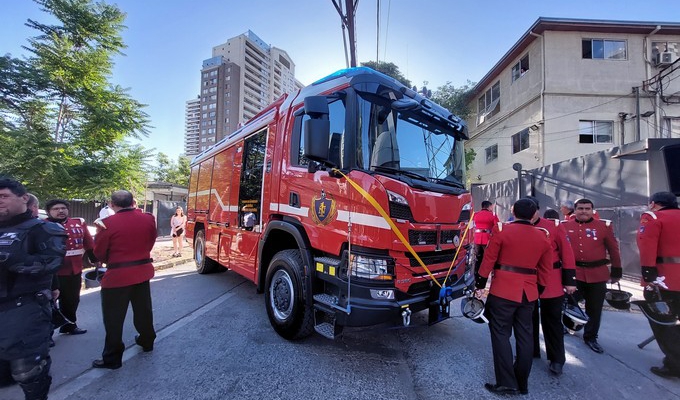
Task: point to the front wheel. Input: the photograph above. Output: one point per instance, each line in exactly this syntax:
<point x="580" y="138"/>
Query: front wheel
<point x="288" y="312"/>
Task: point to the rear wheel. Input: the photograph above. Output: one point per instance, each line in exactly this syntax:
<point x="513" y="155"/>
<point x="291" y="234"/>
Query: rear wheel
<point x="204" y="265"/>
<point x="288" y="312"/>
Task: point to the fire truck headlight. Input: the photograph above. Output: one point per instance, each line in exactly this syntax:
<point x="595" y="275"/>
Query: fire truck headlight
<point x="370" y="268"/>
<point x="382" y="294"/>
<point x="396" y="198"/>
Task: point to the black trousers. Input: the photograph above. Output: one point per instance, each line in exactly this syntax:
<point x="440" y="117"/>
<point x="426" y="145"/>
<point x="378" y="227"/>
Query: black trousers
<point x="69" y="298"/>
<point x="668" y="337"/>
<point x="550" y="311"/>
<point x="506" y="316"/>
<point x="479" y="248"/>
<point x="593" y="294"/>
<point x="114" y="308"/>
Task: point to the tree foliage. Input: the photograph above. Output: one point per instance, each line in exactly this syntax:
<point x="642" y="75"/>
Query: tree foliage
<point x="63" y="125"/>
<point x="389" y="69"/>
<point x="455" y="99"/>
<point x="167" y="170"/>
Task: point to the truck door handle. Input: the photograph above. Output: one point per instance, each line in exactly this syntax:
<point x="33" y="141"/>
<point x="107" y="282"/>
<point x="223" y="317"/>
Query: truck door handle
<point x="294" y="200"/>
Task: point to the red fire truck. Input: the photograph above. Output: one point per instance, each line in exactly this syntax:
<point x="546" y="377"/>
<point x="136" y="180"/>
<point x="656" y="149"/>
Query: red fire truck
<point x="343" y="203"/>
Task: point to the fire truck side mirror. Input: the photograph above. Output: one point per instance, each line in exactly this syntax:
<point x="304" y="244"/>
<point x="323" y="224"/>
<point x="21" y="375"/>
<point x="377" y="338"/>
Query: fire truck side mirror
<point x="317" y="129"/>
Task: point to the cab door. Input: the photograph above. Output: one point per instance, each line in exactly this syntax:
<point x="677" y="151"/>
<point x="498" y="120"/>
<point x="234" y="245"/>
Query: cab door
<point x="243" y="254"/>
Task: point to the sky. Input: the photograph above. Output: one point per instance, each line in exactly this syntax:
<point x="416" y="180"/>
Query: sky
<point x="433" y="41"/>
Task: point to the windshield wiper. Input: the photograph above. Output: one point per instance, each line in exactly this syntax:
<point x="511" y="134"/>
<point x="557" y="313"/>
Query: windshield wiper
<point x="449" y="182"/>
<point x="398" y="171"/>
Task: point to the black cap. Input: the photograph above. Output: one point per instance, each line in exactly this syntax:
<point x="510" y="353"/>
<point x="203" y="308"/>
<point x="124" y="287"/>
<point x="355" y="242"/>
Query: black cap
<point x="664" y="199"/>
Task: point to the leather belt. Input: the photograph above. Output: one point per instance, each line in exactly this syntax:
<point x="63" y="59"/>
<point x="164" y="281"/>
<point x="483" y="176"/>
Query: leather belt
<point x="668" y="260"/>
<point x="557" y="265"/>
<point x="76" y="252"/>
<point x="129" y="263"/>
<point x="519" y="270"/>
<point x="592" y="264"/>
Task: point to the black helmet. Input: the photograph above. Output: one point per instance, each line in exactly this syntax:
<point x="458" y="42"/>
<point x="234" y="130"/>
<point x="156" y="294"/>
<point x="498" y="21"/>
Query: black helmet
<point x="658" y="312"/>
<point x="618" y="298"/>
<point x="473" y="308"/>
<point x="573" y="316"/>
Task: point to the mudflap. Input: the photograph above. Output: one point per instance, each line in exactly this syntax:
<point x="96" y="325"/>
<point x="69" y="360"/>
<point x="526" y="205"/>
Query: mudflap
<point x="440" y="304"/>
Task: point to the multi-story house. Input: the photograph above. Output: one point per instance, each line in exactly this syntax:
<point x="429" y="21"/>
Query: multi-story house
<point x="242" y="77"/>
<point x="572" y="87"/>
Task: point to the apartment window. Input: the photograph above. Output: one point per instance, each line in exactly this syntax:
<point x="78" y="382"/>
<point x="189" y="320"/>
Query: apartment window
<point x="212" y="114"/>
<point x="520" y="141"/>
<point x="601" y="49"/>
<point x="491" y="153"/>
<point x="595" y="131"/>
<point x="489" y="103"/>
<point x="519" y="69"/>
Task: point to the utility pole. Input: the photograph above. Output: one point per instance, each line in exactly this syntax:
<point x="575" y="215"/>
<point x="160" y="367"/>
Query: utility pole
<point x="348" y="22"/>
<point x="636" y="90"/>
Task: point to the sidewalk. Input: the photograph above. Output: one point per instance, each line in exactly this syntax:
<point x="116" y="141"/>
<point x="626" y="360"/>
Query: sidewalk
<point x="162" y="253"/>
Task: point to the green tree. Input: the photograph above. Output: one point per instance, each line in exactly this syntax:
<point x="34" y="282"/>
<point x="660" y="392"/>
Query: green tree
<point x="455" y="99"/>
<point x="389" y="69"/>
<point x="63" y="125"/>
<point x="170" y="171"/>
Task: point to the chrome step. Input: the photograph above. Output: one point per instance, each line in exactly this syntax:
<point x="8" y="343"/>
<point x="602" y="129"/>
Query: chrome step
<point x="325" y="329"/>
<point x="326" y="299"/>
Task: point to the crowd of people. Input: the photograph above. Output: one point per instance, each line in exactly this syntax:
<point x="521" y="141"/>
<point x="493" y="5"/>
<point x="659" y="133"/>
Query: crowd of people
<point x="41" y="263"/>
<point x="540" y="265"/>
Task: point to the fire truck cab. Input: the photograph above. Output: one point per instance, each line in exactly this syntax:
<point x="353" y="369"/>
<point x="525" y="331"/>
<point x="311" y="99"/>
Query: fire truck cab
<point x="344" y="203"/>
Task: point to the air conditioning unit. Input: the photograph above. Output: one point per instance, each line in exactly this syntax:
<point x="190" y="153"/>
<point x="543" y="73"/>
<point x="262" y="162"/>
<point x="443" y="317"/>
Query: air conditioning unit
<point x="665" y="58"/>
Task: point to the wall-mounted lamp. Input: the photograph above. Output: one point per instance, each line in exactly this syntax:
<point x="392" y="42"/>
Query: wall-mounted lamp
<point x="534" y="127"/>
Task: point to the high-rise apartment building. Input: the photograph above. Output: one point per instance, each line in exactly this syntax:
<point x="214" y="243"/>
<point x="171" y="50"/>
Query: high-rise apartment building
<point x="192" y="126"/>
<point x="243" y="76"/>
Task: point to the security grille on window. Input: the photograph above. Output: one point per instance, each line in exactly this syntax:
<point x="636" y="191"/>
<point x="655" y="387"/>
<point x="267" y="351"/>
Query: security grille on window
<point x="519" y="69"/>
<point x="595" y="131"/>
<point x="604" y="49"/>
<point x="520" y="141"/>
<point x="489" y="103"/>
<point x="491" y="153"/>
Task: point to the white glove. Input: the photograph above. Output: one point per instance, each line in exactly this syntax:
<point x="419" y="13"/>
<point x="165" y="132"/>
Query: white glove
<point x="659" y="282"/>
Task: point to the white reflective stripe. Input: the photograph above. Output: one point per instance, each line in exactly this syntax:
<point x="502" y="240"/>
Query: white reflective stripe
<point x="76" y="252"/>
<point x="374" y="221"/>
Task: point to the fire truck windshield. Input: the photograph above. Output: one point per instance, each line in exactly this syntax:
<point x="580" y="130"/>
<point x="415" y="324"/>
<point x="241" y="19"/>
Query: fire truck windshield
<point x="406" y="142"/>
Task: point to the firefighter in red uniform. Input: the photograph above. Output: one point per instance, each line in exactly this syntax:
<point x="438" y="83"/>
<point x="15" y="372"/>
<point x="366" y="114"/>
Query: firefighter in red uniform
<point x="520" y="257"/>
<point x="484" y="221"/>
<point x="657" y="240"/>
<point x="69" y="275"/>
<point x="562" y="278"/>
<point x="593" y="241"/>
<point x="125" y="246"/>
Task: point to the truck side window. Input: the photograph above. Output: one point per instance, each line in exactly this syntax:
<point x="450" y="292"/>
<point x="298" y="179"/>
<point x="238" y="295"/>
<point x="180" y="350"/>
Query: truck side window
<point x="336" y="150"/>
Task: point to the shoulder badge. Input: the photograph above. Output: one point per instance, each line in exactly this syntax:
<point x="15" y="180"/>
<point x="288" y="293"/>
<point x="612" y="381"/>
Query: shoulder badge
<point x="557" y="222"/>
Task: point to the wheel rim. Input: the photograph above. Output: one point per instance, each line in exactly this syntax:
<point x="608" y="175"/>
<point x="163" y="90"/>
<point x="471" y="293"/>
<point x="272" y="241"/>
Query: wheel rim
<point x="281" y="295"/>
<point x="199" y="251"/>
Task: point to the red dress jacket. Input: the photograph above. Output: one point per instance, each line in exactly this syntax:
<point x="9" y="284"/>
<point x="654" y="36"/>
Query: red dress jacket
<point x="563" y="272"/>
<point x="658" y="239"/>
<point x="484" y="221"/>
<point x="523" y="247"/>
<point x="79" y="241"/>
<point x="125" y="246"/>
<point x="593" y="241"/>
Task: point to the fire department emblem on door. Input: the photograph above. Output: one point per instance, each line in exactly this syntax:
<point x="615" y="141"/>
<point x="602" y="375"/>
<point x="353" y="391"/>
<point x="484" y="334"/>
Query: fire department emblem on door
<point x="323" y="210"/>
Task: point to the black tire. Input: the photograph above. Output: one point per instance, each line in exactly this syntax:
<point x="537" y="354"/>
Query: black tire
<point x="289" y="314"/>
<point x="204" y="265"/>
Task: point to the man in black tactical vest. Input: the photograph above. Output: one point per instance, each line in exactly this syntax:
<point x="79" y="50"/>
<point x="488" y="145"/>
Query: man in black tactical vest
<point x="31" y="251"/>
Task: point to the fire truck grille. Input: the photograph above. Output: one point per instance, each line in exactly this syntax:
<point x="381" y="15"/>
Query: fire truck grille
<point x="432" y="257"/>
<point x="448" y="236"/>
<point x="416" y="238"/>
<point x="419" y="238"/>
<point x="400" y="211"/>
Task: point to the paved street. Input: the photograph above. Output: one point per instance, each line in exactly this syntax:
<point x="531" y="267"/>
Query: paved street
<point x="215" y="343"/>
